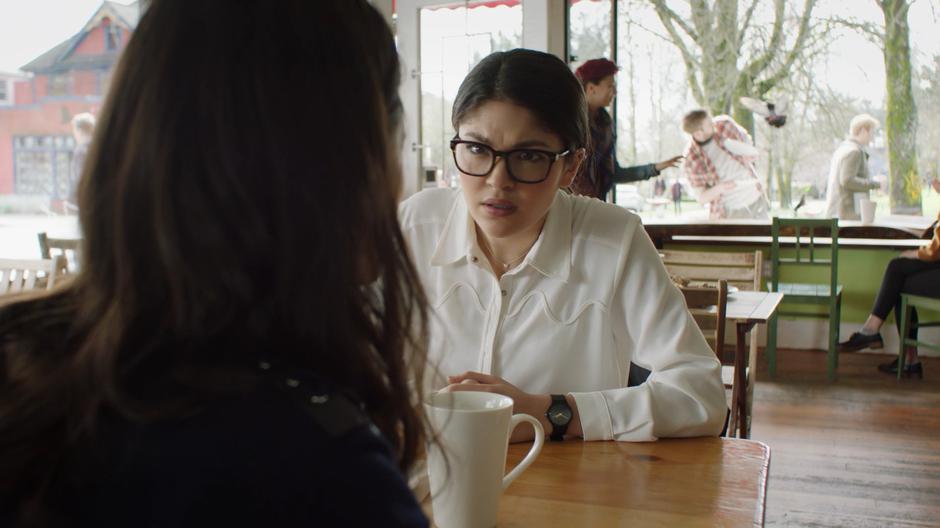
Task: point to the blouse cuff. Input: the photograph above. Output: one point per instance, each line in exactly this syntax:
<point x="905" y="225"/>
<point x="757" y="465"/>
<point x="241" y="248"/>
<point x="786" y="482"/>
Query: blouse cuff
<point x="595" y="416"/>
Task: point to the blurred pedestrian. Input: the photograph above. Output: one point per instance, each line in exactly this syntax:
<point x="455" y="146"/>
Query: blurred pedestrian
<point x="83" y="129"/>
<point x="676" y="191"/>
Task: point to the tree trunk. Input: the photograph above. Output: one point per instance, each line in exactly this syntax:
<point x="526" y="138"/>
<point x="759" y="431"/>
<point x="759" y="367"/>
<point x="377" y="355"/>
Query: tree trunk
<point x="743" y="116"/>
<point x="784" y="181"/>
<point x="769" y="179"/>
<point x="719" y="61"/>
<point x="786" y="166"/>
<point x="631" y="95"/>
<point x="780" y="169"/>
<point x="901" y="118"/>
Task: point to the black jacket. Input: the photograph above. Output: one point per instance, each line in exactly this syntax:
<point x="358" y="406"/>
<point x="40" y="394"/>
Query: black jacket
<point x="269" y="457"/>
<point x="600" y="171"/>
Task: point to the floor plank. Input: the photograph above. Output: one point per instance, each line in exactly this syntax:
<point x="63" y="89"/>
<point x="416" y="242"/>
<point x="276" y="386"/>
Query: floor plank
<point x="863" y="451"/>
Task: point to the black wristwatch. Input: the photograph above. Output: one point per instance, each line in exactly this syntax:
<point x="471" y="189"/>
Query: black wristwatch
<point x="559" y="415"/>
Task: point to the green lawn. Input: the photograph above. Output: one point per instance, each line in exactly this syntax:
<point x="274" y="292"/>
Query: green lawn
<point x="930" y="202"/>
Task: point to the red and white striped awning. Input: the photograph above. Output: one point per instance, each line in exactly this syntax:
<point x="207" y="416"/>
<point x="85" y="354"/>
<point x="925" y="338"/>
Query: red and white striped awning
<point x="483" y="3"/>
<point x="470" y="5"/>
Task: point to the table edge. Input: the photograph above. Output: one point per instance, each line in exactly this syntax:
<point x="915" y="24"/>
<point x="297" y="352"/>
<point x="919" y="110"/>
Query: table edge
<point x="761" y="514"/>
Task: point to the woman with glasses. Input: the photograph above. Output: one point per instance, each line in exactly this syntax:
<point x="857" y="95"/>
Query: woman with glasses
<point x="544" y="296"/>
<point x="229" y="355"/>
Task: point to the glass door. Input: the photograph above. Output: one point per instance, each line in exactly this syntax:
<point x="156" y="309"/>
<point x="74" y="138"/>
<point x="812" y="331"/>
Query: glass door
<point x="451" y="39"/>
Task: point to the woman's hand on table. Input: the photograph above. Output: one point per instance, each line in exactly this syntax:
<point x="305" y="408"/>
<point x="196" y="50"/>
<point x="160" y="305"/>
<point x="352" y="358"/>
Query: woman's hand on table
<point x="535" y="405"/>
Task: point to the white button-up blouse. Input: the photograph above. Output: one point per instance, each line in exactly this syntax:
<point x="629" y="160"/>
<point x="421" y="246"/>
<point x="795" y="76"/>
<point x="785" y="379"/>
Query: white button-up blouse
<point x="590" y="297"/>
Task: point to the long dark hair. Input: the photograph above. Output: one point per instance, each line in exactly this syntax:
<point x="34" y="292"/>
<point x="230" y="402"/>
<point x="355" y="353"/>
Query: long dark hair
<point x="537" y="81"/>
<point x="238" y="202"/>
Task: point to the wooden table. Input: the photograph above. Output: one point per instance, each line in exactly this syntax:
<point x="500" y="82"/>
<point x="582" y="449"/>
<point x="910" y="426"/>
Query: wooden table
<point x="662" y="231"/>
<point x="746" y="309"/>
<point x="694" y="482"/>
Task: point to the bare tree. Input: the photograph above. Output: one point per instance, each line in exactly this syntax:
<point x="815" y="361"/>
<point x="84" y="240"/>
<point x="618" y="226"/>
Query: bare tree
<point x="927" y="97"/>
<point x="794" y="150"/>
<point x="719" y="66"/>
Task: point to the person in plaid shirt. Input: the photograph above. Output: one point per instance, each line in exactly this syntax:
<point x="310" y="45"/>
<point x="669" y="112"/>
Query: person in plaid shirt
<point x="601" y="171"/>
<point x="719" y="163"/>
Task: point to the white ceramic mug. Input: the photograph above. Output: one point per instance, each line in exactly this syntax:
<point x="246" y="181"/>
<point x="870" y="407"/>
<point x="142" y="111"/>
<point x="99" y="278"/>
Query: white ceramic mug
<point x="467" y="463"/>
<point x="867" y="210"/>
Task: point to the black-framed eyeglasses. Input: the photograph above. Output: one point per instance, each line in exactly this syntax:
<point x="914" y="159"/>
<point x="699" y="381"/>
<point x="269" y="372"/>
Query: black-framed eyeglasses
<point x="523" y="165"/>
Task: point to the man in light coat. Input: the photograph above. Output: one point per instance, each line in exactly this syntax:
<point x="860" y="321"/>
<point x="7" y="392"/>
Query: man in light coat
<point x="849" y="179"/>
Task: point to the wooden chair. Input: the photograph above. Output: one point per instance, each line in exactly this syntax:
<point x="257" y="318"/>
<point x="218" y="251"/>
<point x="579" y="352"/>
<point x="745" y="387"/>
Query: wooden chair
<point x="21" y="275"/>
<point x="69" y="248"/>
<point x="708" y="307"/>
<point x="908" y="303"/>
<point x="827" y="294"/>
<point x="702" y="268"/>
<point x="744" y="272"/>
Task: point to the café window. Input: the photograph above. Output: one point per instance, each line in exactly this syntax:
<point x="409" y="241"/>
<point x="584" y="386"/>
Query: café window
<point x="454" y="38"/>
<point x="104" y="81"/>
<point x="71" y="53"/>
<point x="589" y="30"/>
<point x="112" y="36"/>
<point x="58" y="84"/>
<point x="827" y="87"/>
<point x="41" y="165"/>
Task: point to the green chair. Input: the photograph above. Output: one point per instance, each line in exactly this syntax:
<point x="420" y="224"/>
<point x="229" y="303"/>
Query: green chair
<point x="806" y="231"/>
<point x="908" y="303"/>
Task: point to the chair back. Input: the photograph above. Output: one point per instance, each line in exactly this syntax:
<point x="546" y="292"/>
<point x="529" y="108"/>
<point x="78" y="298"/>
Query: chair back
<point x="69" y="248"/>
<point x="807" y="251"/>
<point x="18" y="275"/>
<point x="708" y="307"/>
<point x="701" y="268"/>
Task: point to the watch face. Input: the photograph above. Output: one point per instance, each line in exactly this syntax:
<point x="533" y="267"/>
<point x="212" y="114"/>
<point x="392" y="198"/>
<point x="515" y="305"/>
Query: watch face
<point x="559" y="415"/>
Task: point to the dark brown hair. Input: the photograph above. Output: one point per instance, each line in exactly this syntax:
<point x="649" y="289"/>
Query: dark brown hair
<point x="238" y="202"/>
<point x="537" y="81"/>
<point x="692" y="121"/>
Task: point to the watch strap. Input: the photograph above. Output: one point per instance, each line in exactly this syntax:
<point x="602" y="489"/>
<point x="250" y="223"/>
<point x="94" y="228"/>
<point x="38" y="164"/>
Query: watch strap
<point x="558" y="430"/>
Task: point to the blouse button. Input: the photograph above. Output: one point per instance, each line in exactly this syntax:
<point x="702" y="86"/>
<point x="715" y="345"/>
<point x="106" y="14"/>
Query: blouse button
<point x="503" y="292"/>
<point x="474" y="258"/>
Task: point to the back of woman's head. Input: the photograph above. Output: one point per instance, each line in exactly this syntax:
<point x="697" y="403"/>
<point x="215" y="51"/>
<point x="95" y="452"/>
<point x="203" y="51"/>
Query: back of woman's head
<point x="537" y="81"/>
<point x="239" y="198"/>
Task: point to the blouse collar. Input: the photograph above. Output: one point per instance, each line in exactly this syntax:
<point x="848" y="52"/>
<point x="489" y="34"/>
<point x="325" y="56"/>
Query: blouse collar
<point x="550" y="256"/>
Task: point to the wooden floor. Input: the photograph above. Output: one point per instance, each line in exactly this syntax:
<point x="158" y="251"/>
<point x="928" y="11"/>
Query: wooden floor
<point x="862" y="452"/>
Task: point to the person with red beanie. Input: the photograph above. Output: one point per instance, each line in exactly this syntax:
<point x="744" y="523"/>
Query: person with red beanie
<point x="601" y="171"/>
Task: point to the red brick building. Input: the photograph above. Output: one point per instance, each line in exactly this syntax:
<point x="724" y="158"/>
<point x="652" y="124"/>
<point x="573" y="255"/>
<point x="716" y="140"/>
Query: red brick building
<point x="36" y="109"/>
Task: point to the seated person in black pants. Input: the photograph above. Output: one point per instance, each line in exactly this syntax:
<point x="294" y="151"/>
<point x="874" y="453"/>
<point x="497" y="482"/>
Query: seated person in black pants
<point x="916" y="272"/>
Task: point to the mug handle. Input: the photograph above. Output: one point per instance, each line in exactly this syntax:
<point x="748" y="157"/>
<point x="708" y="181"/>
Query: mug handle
<point x="533" y="452"/>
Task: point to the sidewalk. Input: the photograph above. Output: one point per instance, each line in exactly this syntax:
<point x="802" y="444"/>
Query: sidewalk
<point x="18" y="233"/>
